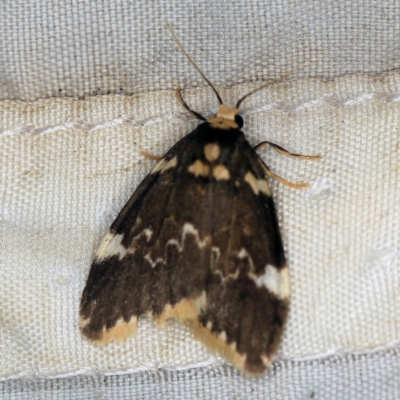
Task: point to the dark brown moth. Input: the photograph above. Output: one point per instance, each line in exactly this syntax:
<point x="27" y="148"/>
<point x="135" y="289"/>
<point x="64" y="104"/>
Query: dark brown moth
<point x="199" y="242"/>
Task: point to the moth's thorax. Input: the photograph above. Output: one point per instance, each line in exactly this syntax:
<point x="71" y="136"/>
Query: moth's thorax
<point x="214" y="144"/>
<point x="213" y="150"/>
<point x="225" y="118"/>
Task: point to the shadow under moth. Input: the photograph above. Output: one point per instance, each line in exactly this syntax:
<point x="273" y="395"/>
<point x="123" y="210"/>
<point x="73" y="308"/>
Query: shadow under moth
<point x="198" y="241"/>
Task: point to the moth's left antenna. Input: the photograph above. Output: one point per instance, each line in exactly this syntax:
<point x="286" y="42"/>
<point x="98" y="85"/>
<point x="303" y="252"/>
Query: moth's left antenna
<point x="193" y="63"/>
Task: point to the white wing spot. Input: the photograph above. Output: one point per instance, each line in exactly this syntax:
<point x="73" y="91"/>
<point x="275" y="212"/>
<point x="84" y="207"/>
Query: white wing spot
<point x="276" y="280"/>
<point x="148" y="233"/>
<point x="110" y="246"/>
<point x="164" y="165"/>
<point x="243" y="254"/>
<point x="201" y="302"/>
<point x="153" y="263"/>
<point x="189" y="229"/>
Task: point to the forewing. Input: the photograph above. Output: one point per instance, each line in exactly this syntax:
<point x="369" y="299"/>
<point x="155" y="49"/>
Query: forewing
<point x="248" y="289"/>
<point x="127" y="276"/>
<point x="198" y="241"/>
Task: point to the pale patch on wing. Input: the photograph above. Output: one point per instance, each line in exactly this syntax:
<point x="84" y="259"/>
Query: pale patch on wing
<point x="152" y="262"/>
<point x="263" y="186"/>
<point x="243" y="254"/>
<point x="257" y="185"/>
<point x="118" y="333"/>
<point x="222" y="336"/>
<point x="276" y="280"/>
<point x="266" y="361"/>
<point x="185" y="310"/>
<point x="164" y="165"/>
<point x="198" y="168"/>
<point x="227" y="276"/>
<point x="212" y="151"/>
<point x="215" y="256"/>
<point x="83" y="322"/>
<point x="220" y="172"/>
<point x="188" y="311"/>
<point x="189" y="229"/>
<point x="110" y="246"/>
<point x="218" y="343"/>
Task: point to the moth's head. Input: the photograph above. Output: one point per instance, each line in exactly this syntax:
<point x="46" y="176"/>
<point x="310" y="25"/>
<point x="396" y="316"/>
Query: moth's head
<point x="226" y="118"/>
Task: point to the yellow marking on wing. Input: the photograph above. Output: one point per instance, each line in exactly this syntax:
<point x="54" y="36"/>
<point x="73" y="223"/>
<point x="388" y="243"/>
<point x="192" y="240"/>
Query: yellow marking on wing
<point x="218" y="344"/>
<point x="220" y="172"/>
<point x="257" y="185"/>
<point x="212" y="151"/>
<point x="118" y="333"/>
<point x="187" y="311"/>
<point x="198" y="168"/>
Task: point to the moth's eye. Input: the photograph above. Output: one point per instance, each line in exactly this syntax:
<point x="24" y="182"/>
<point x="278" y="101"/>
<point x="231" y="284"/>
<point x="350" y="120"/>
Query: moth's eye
<point x="239" y="121"/>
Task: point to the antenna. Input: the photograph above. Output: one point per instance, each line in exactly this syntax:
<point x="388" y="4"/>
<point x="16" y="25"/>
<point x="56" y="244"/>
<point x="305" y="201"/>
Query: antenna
<point x="266" y="85"/>
<point x="193" y="63"/>
<point x="252" y="92"/>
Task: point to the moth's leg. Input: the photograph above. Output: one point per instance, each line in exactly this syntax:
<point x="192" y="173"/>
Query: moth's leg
<point x="194" y="113"/>
<point x="282" y="180"/>
<point x="151" y="156"/>
<point x="283" y="151"/>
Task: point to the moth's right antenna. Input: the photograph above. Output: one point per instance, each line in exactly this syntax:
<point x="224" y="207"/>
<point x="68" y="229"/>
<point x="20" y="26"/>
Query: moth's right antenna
<point x="193" y="63"/>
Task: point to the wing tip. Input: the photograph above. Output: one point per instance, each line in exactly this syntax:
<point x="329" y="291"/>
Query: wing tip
<point x="217" y="343"/>
<point x="187" y="311"/>
<point x="119" y="332"/>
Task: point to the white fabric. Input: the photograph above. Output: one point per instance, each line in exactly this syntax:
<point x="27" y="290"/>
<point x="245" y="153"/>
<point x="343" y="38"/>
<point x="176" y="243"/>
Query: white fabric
<point x="93" y="47"/>
<point x="372" y="376"/>
<point x="67" y="166"/>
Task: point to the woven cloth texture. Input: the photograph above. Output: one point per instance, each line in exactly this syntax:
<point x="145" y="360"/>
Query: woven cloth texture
<point x="373" y="376"/>
<point x="67" y="166"/>
<point x="80" y="48"/>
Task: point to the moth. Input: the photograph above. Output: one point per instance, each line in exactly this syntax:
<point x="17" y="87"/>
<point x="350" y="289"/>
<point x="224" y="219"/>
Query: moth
<point x="198" y="241"/>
